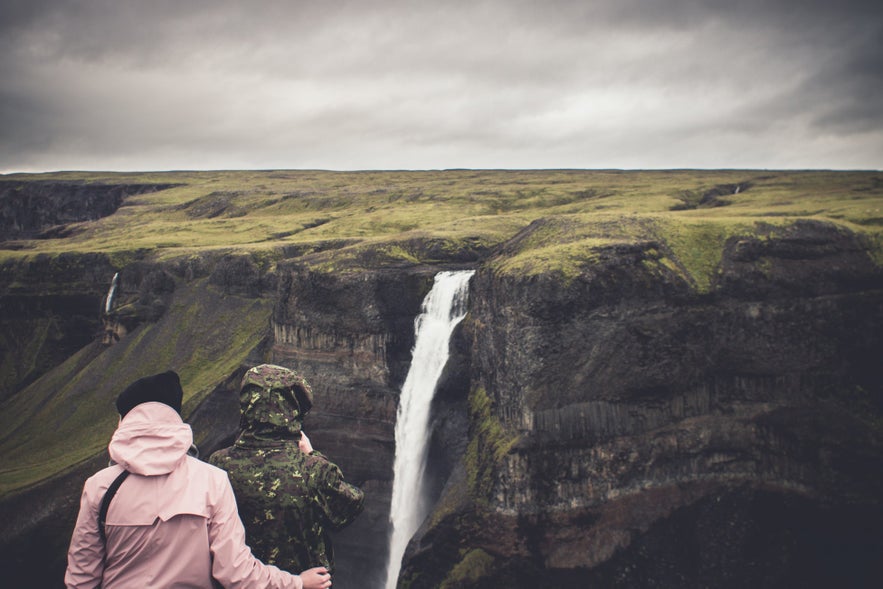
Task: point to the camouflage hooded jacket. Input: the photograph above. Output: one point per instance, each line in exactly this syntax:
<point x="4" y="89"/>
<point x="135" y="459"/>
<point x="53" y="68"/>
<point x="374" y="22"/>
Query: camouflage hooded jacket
<point x="287" y="500"/>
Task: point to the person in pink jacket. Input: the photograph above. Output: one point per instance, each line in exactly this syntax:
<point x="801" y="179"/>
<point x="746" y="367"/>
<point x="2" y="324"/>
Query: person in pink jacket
<point x="173" y="521"/>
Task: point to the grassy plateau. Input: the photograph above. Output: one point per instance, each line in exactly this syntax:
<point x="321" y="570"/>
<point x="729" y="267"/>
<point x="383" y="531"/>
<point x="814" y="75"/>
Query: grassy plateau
<point x="264" y="211"/>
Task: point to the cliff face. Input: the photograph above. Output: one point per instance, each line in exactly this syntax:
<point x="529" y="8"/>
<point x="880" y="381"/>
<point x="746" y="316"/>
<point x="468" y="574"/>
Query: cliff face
<point x="352" y="334"/>
<point x="633" y="432"/>
<point x="44" y="323"/>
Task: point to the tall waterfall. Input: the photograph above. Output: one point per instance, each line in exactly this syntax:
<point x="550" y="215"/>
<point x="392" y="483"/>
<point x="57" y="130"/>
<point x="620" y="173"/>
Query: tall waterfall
<point x="443" y="308"/>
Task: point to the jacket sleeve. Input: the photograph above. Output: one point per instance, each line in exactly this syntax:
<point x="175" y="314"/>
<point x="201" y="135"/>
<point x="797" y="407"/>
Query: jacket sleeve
<point x="233" y="564"/>
<point x="85" y="557"/>
<point x="340" y="501"/>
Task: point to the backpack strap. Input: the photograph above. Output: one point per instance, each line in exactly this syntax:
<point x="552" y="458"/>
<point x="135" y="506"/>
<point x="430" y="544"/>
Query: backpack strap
<point x="105" y="503"/>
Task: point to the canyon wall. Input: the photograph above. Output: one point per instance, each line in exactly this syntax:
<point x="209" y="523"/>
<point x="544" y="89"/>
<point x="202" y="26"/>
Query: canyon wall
<point x="351" y="335"/>
<point x="617" y="426"/>
<point x="629" y="431"/>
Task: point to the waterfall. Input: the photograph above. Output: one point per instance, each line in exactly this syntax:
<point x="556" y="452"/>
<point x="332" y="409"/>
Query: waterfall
<point x="443" y="308"/>
<point x="108" y="302"/>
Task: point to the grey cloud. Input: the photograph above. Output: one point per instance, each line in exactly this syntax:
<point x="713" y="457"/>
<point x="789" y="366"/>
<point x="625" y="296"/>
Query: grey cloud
<point x="852" y="90"/>
<point x="479" y="80"/>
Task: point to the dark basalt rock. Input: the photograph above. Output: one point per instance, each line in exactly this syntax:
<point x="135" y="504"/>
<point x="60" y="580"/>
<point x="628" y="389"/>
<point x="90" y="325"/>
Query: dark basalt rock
<point x="668" y="438"/>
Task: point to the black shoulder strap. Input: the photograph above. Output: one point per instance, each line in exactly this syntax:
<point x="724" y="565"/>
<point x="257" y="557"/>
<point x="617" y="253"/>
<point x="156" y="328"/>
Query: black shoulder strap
<point x="105" y="502"/>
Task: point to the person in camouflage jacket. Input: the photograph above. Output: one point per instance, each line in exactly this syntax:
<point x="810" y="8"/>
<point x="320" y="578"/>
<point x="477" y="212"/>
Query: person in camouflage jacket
<point x="289" y="495"/>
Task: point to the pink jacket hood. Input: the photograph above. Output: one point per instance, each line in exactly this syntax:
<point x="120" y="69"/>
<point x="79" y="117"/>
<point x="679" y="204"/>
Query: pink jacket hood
<point x="173" y="522"/>
<point x="151" y="440"/>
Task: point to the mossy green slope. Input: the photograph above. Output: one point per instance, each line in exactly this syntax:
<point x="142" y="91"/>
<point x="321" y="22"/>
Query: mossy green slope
<point x="67" y="416"/>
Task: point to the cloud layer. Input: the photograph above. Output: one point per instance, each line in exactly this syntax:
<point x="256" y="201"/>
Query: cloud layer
<point x="339" y="84"/>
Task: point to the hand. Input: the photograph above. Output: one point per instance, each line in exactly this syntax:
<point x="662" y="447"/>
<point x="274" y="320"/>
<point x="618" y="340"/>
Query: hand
<point x="317" y="578"/>
<point x="304" y="444"/>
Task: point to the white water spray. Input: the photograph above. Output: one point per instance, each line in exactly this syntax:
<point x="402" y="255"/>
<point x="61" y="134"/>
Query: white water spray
<point x="108" y="303"/>
<point x="443" y="308"/>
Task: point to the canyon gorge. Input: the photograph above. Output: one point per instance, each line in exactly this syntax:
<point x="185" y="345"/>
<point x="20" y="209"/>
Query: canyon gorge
<point x="681" y="396"/>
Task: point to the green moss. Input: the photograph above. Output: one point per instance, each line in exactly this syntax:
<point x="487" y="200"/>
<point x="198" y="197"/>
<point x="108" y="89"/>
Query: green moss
<point x="671" y="266"/>
<point x="475" y="565"/>
<point x="565" y="260"/>
<point x="564" y="245"/>
<point x="395" y="253"/>
<point x="488" y="444"/>
<point x="121" y="258"/>
<point x="876" y="247"/>
<point x="262" y="211"/>
<point x="697" y="245"/>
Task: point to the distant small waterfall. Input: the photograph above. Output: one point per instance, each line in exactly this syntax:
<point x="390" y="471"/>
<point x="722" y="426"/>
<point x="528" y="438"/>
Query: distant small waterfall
<point x="443" y="308"/>
<point x="108" y="302"/>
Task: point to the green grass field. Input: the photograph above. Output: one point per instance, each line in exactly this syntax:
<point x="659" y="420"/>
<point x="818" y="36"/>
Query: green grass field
<point x="264" y="211"/>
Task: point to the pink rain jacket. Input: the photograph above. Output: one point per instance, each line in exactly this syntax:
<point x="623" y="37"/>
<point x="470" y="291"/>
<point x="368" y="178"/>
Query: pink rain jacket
<point x="173" y="521"/>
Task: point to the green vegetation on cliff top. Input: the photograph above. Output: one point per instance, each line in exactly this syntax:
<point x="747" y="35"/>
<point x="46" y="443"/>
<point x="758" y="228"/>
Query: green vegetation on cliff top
<point x="346" y="214"/>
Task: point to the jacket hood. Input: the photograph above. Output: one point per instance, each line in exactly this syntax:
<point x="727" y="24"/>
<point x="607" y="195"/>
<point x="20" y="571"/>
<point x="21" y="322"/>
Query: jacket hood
<point x="273" y="401"/>
<point x="151" y="440"/>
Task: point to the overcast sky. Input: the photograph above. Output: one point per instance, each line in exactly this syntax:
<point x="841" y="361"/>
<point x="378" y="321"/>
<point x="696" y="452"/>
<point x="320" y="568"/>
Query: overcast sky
<point x="411" y="84"/>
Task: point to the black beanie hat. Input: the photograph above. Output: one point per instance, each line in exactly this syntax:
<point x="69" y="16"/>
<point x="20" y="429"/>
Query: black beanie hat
<point x="161" y="388"/>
